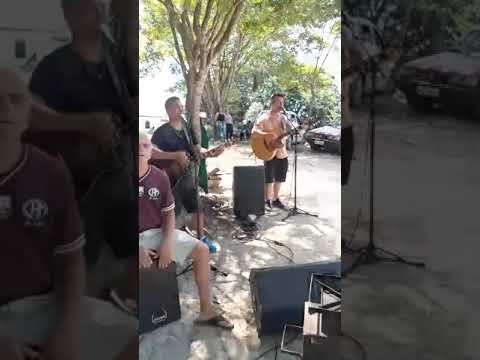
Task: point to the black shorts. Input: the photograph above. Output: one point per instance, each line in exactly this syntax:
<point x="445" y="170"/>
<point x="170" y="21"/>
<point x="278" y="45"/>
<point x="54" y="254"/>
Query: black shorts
<point x="185" y="195"/>
<point x="276" y="170"/>
<point x="347" y="147"/>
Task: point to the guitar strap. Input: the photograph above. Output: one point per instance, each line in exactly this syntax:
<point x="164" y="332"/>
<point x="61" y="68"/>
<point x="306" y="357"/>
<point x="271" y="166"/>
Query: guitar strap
<point x="119" y="85"/>
<point x="126" y="104"/>
<point x="187" y="135"/>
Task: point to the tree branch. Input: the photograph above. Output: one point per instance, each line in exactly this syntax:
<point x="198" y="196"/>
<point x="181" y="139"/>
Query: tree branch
<point x="208" y="10"/>
<point x="213" y="30"/>
<point x="179" y="51"/>
<point x="232" y="23"/>
<point x="196" y="18"/>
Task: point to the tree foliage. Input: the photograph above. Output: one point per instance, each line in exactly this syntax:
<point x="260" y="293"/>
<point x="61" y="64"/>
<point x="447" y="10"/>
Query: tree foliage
<point x="258" y="56"/>
<point x="411" y="23"/>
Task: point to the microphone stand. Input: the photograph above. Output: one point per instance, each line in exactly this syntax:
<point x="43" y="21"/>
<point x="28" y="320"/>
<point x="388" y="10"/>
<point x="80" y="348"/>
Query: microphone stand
<point x="368" y="254"/>
<point x="295" y="210"/>
<point x="196" y="163"/>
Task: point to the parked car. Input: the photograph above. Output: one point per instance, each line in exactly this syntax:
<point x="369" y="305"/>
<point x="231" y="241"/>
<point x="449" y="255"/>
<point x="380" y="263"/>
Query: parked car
<point x="451" y="77"/>
<point x="324" y="138"/>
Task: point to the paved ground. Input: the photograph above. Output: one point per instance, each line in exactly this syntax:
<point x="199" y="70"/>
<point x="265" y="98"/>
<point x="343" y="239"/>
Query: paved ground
<point x="427" y="174"/>
<point x="427" y="171"/>
<point x="311" y="239"/>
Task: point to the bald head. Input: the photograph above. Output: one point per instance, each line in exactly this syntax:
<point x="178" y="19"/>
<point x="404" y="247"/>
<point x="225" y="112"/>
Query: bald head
<point x="15" y="104"/>
<point x="144" y="150"/>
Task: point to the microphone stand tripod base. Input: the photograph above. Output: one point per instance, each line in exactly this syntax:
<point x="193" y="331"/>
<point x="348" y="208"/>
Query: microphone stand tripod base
<point x="296" y="211"/>
<point x="368" y="255"/>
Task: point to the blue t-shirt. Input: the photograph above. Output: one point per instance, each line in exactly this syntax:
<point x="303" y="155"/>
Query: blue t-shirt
<point x="166" y="138"/>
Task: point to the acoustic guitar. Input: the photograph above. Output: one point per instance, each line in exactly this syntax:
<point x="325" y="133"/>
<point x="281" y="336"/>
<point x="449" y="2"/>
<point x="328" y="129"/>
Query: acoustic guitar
<point x="262" y="145"/>
<point x="82" y="155"/>
<point x="175" y="171"/>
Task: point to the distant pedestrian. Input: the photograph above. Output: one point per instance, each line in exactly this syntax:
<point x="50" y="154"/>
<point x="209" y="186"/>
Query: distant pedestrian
<point x="220" y="122"/>
<point x="229" y="125"/>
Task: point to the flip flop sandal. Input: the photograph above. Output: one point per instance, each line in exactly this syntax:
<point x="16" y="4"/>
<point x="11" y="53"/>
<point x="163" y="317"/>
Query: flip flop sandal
<point x="126" y="305"/>
<point x="216" y="321"/>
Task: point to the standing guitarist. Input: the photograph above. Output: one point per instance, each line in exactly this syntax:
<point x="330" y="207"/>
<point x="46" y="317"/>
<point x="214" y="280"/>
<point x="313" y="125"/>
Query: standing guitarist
<point x="176" y="141"/>
<point x="276" y="169"/>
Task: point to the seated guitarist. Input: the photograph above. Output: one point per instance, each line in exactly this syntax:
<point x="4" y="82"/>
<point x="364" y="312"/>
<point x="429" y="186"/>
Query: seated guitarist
<point x="276" y="169"/>
<point x="78" y="78"/>
<point x="176" y="141"/>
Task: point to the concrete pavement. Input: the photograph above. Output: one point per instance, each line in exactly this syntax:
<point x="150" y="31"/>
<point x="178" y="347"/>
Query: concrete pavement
<point x="427" y="173"/>
<point x="311" y="239"/>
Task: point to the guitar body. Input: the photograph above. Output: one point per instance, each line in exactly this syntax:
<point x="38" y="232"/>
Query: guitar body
<point x="81" y="154"/>
<point x="171" y="167"/>
<point x="261" y="146"/>
<point x="174" y="170"/>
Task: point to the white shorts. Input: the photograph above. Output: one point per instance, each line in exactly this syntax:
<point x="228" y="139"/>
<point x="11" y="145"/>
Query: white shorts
<point x="105" y="330"/>
<point x="183" y="243"/>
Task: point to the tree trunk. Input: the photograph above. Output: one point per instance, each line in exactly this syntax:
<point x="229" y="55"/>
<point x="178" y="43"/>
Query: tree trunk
<point x="198" y="40"/>
<point x="195" y="86"/>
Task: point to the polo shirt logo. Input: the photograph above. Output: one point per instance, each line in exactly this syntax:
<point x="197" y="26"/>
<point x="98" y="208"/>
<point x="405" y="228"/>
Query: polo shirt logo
<point x="5" y="207"/>
<point x="35" y="212"/>
<point x="153" y="193"/>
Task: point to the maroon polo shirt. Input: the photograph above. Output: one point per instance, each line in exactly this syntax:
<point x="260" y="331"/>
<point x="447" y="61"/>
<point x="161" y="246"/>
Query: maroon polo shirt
<point x="38" y="220"/>
<point x="154" y="198"/>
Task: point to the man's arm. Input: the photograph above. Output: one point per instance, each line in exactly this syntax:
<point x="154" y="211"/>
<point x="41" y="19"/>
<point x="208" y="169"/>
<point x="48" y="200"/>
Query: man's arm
<point x="69" y="286"/>
<point x="69" y="274"/>
<point x="165" y="252"/>
<point x="96" y="125"/>
<point x="168" y="228"/>
<point x="158" y="154"/>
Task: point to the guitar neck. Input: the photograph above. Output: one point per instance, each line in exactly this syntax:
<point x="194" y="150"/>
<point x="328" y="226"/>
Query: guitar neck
<point x="225" y="144"/>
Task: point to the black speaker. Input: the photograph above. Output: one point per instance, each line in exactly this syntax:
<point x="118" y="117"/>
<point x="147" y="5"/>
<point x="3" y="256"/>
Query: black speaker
<point x="248" y="191"/>
<point x="279" y="293"/>
<point x="159" y="303"/>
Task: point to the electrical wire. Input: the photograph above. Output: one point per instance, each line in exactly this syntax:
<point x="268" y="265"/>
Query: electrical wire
<point x="276" y="347"/>
<point x="359" y="345"/>
<point x="187" y="269"/>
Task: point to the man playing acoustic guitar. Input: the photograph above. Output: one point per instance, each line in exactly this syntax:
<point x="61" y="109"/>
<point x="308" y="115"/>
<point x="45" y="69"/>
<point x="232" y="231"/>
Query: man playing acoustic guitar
<point x="276" y="169"/>
<point x="176" y="141"/>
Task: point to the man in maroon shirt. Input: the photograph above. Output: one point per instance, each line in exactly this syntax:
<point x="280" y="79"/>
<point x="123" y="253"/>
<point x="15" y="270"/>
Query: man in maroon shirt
<point x="42" y="241"/>
<point x="158" y="236"/>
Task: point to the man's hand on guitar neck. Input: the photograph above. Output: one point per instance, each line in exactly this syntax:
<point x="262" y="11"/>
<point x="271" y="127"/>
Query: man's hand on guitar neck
<point x="216" y="151"/>
<point x="180" y="157"/>
<point x="99" y="126"/>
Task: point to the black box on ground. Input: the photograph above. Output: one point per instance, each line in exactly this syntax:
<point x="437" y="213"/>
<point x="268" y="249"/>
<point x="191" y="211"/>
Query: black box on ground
<point x="159" y="302"/>
<point x="248" y="191"/>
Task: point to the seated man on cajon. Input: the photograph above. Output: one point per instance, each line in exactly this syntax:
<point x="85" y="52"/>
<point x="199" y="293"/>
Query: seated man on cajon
<point x="159" y="238"/>
<point x="43" y="308"/>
